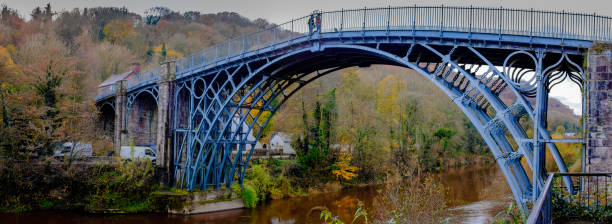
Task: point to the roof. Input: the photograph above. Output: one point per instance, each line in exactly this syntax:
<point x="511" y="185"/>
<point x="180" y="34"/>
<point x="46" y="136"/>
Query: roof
<point x="283" y="135"/>
<point x="113" y="79"/>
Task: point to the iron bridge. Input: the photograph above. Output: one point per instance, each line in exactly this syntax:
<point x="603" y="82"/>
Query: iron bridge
<point x="219" y="95"/>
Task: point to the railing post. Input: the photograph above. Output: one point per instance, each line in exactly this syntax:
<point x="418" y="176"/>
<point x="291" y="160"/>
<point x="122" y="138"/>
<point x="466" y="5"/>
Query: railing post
<point x="562" y="25"/>
<point x="531" y="27"/>
<point x="414" y="11"/>
<point x="442" y="19"/>
<point x="388" y="18"/>
<point x="258" y="41"/>
<point x="275" y="37"/>
<point x="501" y="10"/>
<point x="364" y="21"/>
<point x="243" y="43"/>
<point x="470" y="33"/>
<point x="341" y="21"/>
<point x="594" y="28"/>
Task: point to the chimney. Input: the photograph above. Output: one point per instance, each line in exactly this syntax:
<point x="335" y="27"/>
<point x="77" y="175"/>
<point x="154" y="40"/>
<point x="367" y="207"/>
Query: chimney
<point x="135" y="67"/>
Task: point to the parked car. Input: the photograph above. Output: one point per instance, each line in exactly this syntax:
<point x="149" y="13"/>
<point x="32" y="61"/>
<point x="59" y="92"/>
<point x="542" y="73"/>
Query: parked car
<point x="76" y="150"/>
<point x="137" y="152"/>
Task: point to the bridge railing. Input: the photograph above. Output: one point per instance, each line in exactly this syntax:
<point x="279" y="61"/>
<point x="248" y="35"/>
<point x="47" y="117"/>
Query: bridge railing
<point x="246" y="43"/>
<point x="501" y="21"/>
<point x="143" y="77"/>
<point x="472" y="19"/>
<point x="105" y="91"/>
<point x="593" y="193"/>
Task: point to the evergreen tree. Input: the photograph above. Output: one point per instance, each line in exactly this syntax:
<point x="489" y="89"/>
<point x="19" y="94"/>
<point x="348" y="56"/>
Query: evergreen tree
<point x="150" y="53"/>
<point x="162" y="57"/>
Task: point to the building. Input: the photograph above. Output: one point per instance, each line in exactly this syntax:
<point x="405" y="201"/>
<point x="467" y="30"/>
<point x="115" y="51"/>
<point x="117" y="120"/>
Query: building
<point x="282" y="141"/>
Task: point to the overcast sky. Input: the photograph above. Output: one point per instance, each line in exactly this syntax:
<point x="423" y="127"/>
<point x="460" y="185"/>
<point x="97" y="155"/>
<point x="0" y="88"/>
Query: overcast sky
<point x="278" y="11"/>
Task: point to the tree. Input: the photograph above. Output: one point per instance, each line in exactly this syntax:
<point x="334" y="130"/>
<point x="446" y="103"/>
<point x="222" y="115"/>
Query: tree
<point x="117" y="31"/>
<point x="343" y="168"/>
<point x="36" y="14"/>
<point x="192" y="15"/>
<point x="329" y="115"/>
<point x="150" y="53"/>
<point x="155" y="14"/>
<point x="444" y="135"/>
<point x="163" y="54"/>
<point x="47" y="15"/>
<point x="69" y="25"/>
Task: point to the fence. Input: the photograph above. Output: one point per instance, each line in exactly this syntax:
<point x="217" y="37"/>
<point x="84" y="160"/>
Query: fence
<point x="595" y="192"/>
<point x="501" y="21"/>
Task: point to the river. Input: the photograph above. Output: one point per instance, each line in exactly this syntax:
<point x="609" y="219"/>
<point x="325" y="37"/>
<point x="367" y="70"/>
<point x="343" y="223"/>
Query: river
<point x="475" y="195"/>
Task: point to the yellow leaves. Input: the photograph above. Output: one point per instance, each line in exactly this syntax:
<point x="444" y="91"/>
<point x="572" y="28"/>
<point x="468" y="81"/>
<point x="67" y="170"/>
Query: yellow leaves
<point x="388" y="95"/>
<point x="116" y="31"/>
<point x="386" y="148"/>
<point x="170" y="53"/>
<point x="11" y="49"/>
<point x="7" y="66"/>
<point x="5" y="57"/>
<point x="344" y="169"/>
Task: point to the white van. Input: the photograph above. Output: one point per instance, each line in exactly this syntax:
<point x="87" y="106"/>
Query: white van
<point x="141" y="152"/>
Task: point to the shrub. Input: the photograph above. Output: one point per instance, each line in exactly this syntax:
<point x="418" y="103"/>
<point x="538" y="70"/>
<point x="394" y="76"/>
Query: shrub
<point x="249" y="196"/>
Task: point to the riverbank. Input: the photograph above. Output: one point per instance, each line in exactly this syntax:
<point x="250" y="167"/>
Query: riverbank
<point x="480" y="189"/>
<point x="130" y="187"/>
<point x="126" y="187"/>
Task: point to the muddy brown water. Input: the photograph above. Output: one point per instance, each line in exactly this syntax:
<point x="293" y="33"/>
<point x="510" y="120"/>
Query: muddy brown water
<point x="475" y="195"/>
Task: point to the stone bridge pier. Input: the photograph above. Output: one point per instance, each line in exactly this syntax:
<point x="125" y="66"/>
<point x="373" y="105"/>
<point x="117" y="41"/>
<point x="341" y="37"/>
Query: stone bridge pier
<point x="599" y="109"/>
<point x="163" y="141"/>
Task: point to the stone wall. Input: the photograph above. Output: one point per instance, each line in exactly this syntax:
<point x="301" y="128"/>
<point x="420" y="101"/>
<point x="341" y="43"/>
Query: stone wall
<point x="599" y="110"/>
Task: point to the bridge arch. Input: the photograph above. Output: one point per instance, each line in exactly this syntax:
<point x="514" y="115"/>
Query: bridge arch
<point x="141" y="116"/>
<point x="106" y="118"/>
<point x="234" y="93"/>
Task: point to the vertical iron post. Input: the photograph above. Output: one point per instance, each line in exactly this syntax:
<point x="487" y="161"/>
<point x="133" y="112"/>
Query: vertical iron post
<point x="341" y="21"/>
<point x="471" y="11"/>
<point x="442" y="19"/>
<point x="540" y="118"/>
<point x="364" y="21"/>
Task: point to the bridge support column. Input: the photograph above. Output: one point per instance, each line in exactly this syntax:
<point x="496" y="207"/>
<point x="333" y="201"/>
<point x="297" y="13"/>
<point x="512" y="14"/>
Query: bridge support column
<point x="599" y="109"/>
<point x="164" y="138"/>
<point x="120" y="136"/>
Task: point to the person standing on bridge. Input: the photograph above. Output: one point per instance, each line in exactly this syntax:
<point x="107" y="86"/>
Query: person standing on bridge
<point x="311" y="24"/>
<point x="318" y="21"/>
<point x="314" y="23"/>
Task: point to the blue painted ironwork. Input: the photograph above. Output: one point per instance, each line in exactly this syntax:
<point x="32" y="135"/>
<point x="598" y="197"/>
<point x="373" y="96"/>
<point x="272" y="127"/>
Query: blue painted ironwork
<point x="471" y="54"/>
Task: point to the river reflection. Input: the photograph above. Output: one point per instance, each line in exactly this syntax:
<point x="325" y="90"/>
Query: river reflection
<point x="475" y="195"/>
